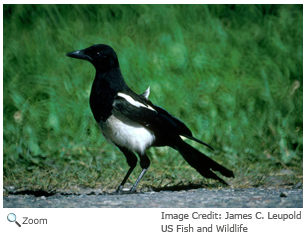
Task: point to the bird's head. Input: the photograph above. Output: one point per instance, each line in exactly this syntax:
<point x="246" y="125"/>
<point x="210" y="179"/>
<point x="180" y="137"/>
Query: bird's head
<point x="102" y="56"/>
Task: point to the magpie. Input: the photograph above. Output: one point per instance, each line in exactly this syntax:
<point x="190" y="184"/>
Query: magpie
<point x="133" y="123"/>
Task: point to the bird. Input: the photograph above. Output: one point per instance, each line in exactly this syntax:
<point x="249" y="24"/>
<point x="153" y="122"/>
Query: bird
<point x="134" y="124"/>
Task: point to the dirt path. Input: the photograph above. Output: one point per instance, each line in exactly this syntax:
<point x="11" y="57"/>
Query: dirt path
<point x="226" y="198"/>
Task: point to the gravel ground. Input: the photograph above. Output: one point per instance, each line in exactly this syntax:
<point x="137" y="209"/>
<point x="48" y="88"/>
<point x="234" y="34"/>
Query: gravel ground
<point x="205" y="198"/>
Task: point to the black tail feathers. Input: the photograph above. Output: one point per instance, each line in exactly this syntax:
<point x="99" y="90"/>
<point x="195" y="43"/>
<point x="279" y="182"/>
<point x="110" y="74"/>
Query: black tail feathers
<point x="202" y="163"/>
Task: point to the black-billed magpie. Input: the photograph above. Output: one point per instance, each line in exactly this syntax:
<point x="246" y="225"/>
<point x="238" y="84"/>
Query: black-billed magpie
<point x="133" y="123"/>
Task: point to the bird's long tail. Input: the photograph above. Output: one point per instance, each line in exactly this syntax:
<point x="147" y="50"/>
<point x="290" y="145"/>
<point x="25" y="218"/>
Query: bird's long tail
<point x="202" y="163"/>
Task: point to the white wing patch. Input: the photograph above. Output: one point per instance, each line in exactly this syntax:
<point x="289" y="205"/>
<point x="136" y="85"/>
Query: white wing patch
<point x="133" y="102"/>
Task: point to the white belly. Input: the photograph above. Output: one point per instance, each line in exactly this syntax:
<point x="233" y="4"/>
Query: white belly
<point x="126" y="133"/>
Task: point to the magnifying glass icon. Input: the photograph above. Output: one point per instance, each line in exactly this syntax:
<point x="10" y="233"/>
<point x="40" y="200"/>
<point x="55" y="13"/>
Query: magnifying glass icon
<point x="12" y="218"/>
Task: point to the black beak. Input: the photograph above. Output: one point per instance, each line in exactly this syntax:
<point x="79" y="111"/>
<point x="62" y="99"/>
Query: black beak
<point x="79" y="55"/>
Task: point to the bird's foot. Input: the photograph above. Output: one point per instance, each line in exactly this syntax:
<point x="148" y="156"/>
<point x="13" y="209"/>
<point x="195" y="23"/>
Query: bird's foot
<point x="120" y="191"/>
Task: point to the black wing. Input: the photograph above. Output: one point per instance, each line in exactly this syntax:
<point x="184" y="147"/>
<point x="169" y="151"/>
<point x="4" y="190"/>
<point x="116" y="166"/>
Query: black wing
<point x="153" y="117"/>
<point x="188" y="133"/>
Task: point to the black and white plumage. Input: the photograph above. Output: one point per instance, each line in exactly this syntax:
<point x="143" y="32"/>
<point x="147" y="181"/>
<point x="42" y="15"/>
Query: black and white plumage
<point x="133" y="123"/>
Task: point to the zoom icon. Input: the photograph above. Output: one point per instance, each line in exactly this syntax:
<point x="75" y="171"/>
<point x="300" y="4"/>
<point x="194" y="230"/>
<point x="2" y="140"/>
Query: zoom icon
<point x="12" y="218"/>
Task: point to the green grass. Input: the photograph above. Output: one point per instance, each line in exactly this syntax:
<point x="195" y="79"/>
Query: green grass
<point x="233" y="74"/>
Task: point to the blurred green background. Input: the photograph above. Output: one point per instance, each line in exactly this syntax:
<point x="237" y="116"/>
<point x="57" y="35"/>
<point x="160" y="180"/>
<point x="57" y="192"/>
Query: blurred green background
<point x="232" y="73"/>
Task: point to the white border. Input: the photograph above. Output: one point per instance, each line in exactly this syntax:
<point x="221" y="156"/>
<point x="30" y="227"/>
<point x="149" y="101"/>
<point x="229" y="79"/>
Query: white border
<point x="134" y="221"/>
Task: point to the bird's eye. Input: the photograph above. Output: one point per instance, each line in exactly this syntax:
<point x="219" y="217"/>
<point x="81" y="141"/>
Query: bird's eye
<point x="98" y="53"/>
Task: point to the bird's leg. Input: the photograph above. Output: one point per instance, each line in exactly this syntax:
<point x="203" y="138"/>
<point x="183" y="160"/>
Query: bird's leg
<point x="145" y="162"/>
<point x="132" y="190"/>
<point x="120" y="187"/>
<point x="131" y="160"/>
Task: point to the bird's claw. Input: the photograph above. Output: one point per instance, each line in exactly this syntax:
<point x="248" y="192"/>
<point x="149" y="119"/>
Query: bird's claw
<point x="120" y="191"/>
